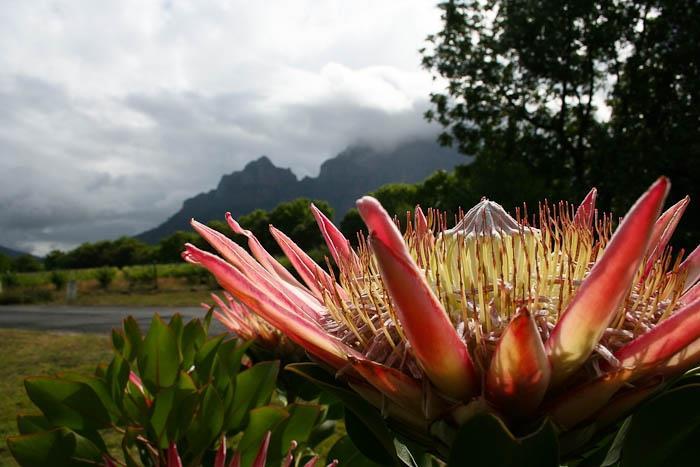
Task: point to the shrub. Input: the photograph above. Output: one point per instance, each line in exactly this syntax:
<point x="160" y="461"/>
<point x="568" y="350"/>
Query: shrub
<point x="174" y="390"/>
<point x="58" y="279"/>
<point x="105" y="276"/>
<point x="140" y="276"/>
<point x="194" y="275"/>
<point x="9" y="279"/>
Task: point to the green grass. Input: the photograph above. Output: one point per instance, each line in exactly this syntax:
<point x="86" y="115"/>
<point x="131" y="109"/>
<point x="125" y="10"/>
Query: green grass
<point x="161" y="298"/>
<point x="31" y="353"/>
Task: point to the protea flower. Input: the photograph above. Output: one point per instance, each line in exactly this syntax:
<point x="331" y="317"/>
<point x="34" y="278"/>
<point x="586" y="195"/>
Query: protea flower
<point x="268" y="341"/>
<point x="554" y="316"/>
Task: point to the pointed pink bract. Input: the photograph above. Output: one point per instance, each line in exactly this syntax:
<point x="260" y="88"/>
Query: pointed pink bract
<point x="313" y="275"/>
<point x="260" y="253"/>
<point x="220" y="459"/>
<point x="518" y="376"/>
<point x="261" y="457"/>
<point x="691" y="267"/>
<point x="670" y="336"/>
<point x="278" y="313"/>
<point x="173" y="456"/>
<point x="393" y="383"/>
<point x="663" y="230"/>
<point x="597" y="300"/>
<point x="445" y="360"/>
<point x="338" y="245"/>
<point x="584" y="213"/>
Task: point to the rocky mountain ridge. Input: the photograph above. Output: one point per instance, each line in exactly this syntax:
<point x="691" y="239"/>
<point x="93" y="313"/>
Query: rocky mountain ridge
<point x="342" y="179"/>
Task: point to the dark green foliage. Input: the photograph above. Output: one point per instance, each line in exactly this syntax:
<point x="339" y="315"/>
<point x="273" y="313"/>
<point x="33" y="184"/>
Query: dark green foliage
<point x="186" y="388"/>
<point x="26" y="263"/>
<point x="105" y="275"/>
<point x="58" y="279"/>
<point x="118" y="253"/>
<point x="55" y="259"/>
<point x="555" y="97"/>
<point x="170" y="247"/>
<point x="492" y="444"/>
<point x="9" y="279"/>
<point x="5" y="263"/>
<point x="294" y="218"/>
<point x="665" y="431"/>
<point x="141" y="276"/>
<point x="364" y="423"/>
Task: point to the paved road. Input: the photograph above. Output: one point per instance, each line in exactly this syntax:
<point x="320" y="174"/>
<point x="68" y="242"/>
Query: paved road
<point x="98" y="319"/>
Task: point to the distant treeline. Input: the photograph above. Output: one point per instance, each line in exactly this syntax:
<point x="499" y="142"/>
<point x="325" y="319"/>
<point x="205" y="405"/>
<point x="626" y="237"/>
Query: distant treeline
<point x="447" y="191"/>
<point x="294" y="218"/>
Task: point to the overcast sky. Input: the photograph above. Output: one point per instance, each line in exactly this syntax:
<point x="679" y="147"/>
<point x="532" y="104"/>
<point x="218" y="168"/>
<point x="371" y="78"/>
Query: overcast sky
<point x="112" y="112"/>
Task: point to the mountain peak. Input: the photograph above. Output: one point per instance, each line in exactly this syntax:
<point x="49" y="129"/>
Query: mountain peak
<point x="260" y="162"/>
<point x="354" y="172"/>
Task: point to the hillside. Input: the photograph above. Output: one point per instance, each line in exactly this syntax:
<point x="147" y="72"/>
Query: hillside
<point x="10" y="252"/>
<point x="342" y="179"/>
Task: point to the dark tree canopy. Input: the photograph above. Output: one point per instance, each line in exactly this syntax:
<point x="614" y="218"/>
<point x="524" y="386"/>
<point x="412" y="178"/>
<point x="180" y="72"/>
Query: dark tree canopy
<point x="572" y="94"/>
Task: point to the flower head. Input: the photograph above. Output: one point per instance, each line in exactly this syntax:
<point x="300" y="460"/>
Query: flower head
<point x="554" y="315"/>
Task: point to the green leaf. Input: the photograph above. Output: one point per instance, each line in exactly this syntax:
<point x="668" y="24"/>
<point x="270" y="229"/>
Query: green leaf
<point x="262" y="420"/>
<point x="321" y="432"/>
<point x="484" y="440"/>
<point x="204" y="359"/>
<point x="612" y="455"/>
<point x="101" y="390"/>
<point x="405" y="454"/>
<point x="297" y="386"/>
<point x="128" y="442"/>
<point x="100" y="370"/>
<point x="665" y="431"/>
<point x="176" y="325"/>
<point x="134" y="405"/>
<point x="348" y="454"/>
<point x="27" y="424"/>
<point x="297" y="427"/>
<point x="362" y="412"/>
<point x="366" y="441"/>
<point x="254" y="388"/>
<point x="207" y="424"/>
<point x="162" y="407"/>
<point x="159" y="358"/>
<point x="228" y="362"/>
<point x="188" y="400"/>
<point x="116" y="377"/>
<point x="73" y="404"/>
<point x="207" y="319"/>
<point x="173" y="409"/>
<point x="334" y="406"/>
<point x="413" y="454"/>
<point x="193" y="336"/>
<point x="118" y="341"/>
<point x="132" y="333"/>
<point x="58" y="448"/>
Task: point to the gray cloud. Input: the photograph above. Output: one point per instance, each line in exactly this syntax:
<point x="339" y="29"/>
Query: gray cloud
<point x="110" y="117"/>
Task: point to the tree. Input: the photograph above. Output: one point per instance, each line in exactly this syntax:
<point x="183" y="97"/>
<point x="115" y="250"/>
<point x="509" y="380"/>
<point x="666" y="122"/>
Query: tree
<point x="655" y="123"/>
<point x="170" y="247"/>
<point x="5" y="263"/>
<point x="294" y="218"/>
<point x="55" y="259"/>
<point x="571" y="94"/>
<point x="26" y="263"/>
